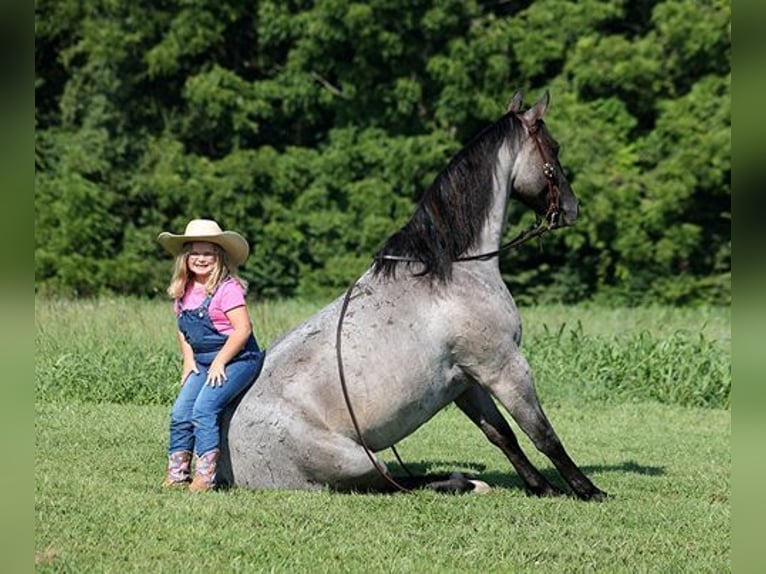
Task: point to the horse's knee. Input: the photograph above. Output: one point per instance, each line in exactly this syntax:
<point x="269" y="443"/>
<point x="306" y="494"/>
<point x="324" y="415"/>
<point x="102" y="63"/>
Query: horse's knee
<point x="546" y="441"/>
<point x="500" y="437"/>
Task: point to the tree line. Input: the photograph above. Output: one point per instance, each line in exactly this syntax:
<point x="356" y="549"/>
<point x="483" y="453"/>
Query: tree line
<point x="312" y="127"/>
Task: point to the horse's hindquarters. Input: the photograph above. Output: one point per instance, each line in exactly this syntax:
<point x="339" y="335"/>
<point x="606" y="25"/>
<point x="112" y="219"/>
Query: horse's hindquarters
<point x="270" y="446"/>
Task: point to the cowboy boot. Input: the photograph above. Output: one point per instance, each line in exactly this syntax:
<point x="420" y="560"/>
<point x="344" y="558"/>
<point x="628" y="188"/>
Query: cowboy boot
<point x="204" y="472"/>
<point x="179" y="464"/>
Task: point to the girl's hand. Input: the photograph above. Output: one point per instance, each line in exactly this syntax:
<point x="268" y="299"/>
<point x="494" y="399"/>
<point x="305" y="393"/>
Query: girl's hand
<point x="189" y="365"/>
<point x="216" y="374"/>
<point x="187" y="370"/>
<point x="240" y="320"/>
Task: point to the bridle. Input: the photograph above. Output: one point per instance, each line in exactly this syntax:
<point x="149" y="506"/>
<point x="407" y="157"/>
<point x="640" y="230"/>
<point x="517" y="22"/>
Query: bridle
<point x="543" y="225"/>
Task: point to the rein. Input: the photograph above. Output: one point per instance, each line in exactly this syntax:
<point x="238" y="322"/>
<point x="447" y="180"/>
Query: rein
<point x="380" y="468"/>
<point x="542" y="226"/>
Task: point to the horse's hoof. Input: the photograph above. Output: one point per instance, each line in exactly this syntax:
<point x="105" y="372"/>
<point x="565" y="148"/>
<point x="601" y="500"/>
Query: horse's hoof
<point x="480" y="487"/>
<point x="598" y="496"/>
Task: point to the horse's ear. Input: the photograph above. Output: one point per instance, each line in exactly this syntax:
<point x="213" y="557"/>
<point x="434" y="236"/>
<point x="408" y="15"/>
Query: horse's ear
<point x="515" y="104"/>
<point x="536" y="112"/>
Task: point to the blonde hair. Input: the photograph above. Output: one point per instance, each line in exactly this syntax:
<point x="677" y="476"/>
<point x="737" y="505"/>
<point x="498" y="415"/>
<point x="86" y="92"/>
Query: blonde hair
<point x="181" y="277"/>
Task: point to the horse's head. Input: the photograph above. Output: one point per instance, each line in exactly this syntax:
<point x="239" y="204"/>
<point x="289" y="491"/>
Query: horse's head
<point x="537" y="179"/>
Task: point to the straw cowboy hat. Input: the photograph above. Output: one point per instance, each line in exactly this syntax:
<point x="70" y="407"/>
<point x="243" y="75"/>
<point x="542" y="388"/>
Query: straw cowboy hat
<point x="207" y="230"/>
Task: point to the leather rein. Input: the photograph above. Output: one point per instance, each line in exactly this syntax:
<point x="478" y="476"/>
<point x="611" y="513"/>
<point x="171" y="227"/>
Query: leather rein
<point x="544" y="224"/>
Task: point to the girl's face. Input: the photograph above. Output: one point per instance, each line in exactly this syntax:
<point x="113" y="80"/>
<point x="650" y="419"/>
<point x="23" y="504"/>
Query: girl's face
<point x="202" y="260"/>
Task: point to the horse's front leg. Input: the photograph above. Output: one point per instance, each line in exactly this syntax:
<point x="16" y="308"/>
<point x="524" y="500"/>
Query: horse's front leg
<point x="478" y="405"/>
<point x="515" y="389"/>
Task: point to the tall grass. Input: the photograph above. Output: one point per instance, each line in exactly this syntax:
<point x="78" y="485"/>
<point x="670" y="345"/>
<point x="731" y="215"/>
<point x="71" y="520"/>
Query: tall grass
<point x="677" y="369"/>
<point x="124" y="351"/>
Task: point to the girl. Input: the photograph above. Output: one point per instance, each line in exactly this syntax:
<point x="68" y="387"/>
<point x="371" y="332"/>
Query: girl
<point x="221" y="357"/>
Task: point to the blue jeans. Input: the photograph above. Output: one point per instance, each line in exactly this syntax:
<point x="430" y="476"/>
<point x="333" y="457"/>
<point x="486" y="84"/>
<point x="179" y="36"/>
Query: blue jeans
<point x="194" y="420"/>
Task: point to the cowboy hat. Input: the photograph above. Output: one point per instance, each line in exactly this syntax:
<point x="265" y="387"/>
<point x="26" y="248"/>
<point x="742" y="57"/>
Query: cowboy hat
<point x="207" y="230"/>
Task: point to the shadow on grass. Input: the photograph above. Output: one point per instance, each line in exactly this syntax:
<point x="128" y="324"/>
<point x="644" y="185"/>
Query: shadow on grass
<point x="510" y="479"/>
<point x="507" y="480"/>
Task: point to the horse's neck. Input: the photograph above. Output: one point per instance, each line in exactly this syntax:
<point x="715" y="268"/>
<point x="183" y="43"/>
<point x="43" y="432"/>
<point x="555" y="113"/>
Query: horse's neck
<point x="492" y="231"/>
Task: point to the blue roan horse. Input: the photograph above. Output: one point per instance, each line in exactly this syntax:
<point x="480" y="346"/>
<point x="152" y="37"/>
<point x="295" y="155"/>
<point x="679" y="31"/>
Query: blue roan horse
<point x="430" y="323"/>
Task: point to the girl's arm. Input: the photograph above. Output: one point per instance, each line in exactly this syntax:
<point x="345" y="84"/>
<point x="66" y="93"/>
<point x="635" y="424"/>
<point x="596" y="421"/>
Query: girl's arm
<point x="240" y="321"/>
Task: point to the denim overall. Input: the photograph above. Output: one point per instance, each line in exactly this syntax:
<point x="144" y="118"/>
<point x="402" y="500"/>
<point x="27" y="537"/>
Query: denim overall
<point x="194" y="420"/>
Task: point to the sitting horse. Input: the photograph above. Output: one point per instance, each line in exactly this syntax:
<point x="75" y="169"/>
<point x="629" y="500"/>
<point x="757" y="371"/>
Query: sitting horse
<point x="428" y="324"/>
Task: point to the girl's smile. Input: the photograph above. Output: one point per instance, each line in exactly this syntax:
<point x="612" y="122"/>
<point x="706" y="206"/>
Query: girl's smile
<point x="202" y="259"/>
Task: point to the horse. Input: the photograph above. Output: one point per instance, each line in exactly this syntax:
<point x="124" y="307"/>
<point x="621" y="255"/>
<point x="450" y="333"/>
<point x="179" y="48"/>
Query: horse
<point x="429" y="323"/>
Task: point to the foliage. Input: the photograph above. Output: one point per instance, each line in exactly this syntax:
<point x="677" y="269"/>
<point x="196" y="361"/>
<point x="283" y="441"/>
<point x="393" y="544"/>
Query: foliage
<point x="312" y="127"/>
<point x="82" y="358"/>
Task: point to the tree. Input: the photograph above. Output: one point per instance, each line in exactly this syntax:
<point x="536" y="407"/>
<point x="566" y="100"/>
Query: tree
<point x="313" y="127"/>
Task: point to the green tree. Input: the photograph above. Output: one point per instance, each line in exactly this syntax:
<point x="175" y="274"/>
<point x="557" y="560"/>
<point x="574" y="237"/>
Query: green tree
<point x="312" y="127"/>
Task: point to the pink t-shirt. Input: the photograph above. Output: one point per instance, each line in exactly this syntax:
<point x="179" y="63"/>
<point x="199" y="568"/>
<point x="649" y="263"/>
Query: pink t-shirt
<point x="229" y="296"/>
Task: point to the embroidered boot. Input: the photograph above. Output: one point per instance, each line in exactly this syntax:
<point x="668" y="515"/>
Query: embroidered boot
<point x="204" y="472"/>
<point x="179" y="465"/>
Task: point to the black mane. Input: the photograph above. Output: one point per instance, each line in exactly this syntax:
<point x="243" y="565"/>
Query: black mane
<point x="452" y="211"/>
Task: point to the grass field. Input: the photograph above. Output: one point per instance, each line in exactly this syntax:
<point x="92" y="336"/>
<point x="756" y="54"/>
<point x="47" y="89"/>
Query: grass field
<point x="665" y="460"/>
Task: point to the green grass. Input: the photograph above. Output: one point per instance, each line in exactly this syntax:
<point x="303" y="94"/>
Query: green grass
<point x="99" y="506"/>
<point x="124" y="351"/>
<point x="624" y="389"/>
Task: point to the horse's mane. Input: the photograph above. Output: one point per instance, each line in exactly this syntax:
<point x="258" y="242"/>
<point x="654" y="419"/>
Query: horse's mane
<point x="452" y="211"/>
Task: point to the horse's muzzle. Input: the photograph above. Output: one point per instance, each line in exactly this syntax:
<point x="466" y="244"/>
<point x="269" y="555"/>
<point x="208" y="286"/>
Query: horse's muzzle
<point x="565" y="216"/>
